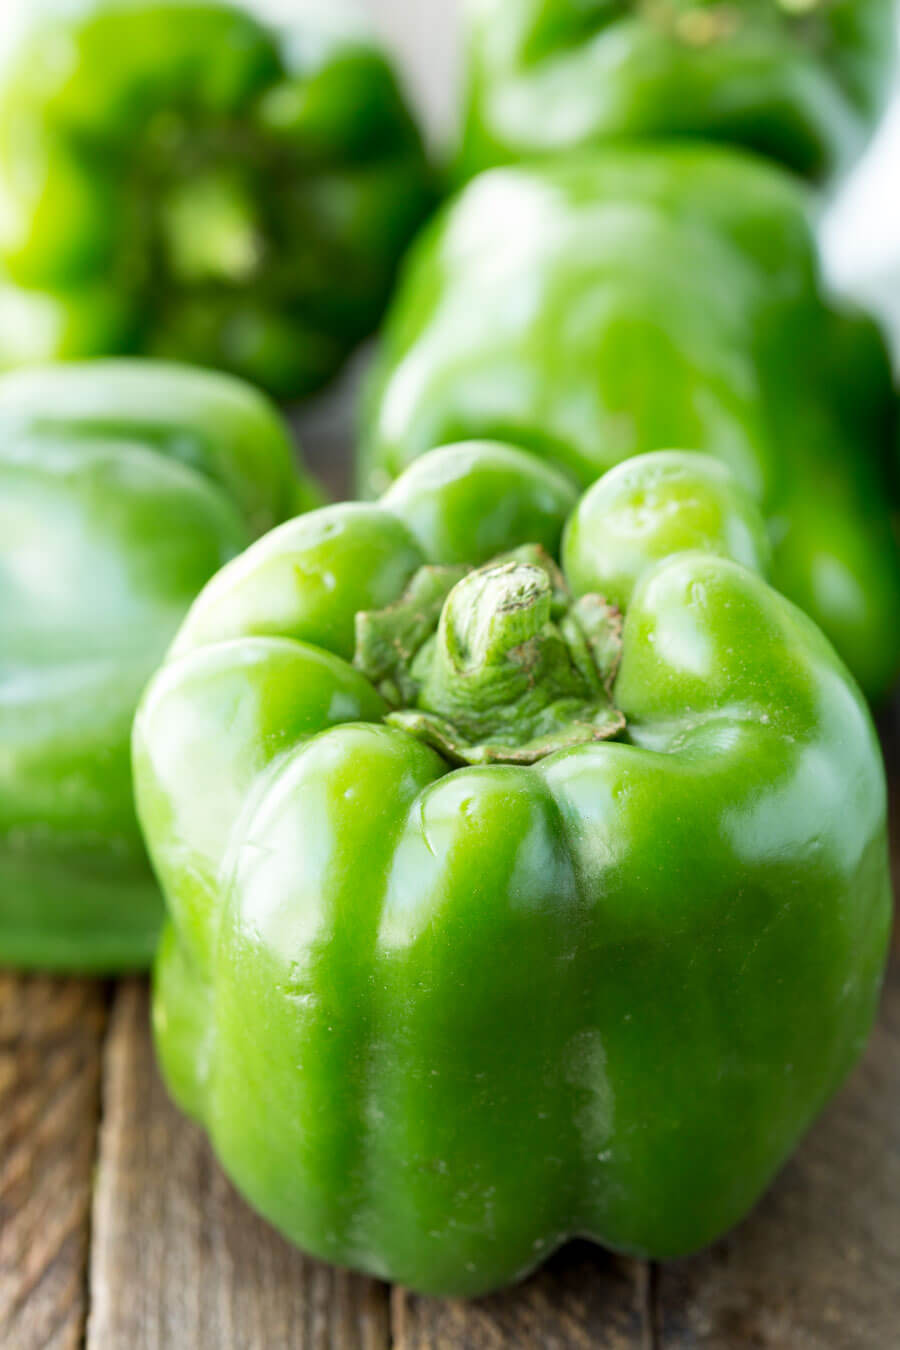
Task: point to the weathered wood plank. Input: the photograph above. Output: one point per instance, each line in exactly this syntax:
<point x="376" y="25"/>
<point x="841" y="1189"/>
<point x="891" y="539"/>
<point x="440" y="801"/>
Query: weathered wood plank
<point x="51" y="1036"/>
<point x="583" y="1299"/>
<point x="177" y="1258"/>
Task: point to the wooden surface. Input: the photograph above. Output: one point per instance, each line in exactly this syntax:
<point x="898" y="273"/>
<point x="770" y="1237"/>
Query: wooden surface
<point x="119" y="1232"/>
<point x="176" y="1257"/>
<point x="51" y="1047"/>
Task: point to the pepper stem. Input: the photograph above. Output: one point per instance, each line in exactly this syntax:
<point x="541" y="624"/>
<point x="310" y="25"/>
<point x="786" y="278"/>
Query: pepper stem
<point x="493" y="611"/>
<point x="490" y="640"/>
<point x="506" y="667"/>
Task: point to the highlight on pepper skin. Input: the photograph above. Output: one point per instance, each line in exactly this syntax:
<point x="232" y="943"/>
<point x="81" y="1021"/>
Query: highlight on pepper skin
<point x="191" y="182"/>
<point x="802" y="84"/>
<point x="509" y="847"/>
<point x="487" y="819"/>
<point x="124" y="485"/>
<point x="640" y="297"/>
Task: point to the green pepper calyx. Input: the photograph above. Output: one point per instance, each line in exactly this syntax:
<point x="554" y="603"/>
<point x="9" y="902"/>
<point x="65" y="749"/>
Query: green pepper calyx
<point x="495" y="665"/>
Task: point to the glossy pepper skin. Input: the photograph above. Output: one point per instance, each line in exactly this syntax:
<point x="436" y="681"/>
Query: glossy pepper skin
<point x="656" y="298"/>
<point x="801" y="84"/>
<point x="185" y="180"/>
<point x="125" y="486"/>
<point x="439" y="1018"/>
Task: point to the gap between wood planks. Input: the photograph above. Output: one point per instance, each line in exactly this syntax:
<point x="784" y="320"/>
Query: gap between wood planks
<point x="160" y="1254"/>
<point x="51" y="1037"/>
<point x="178" y="1260"/>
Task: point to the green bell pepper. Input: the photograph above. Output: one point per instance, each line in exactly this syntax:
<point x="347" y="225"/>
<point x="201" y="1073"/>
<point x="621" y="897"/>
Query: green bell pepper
<point x="801" y="81"/>
<point x="182" y="180"/>
<point x="123" y="487"/>
<point x="509" y="902"/>
<point x="654" y="298"/>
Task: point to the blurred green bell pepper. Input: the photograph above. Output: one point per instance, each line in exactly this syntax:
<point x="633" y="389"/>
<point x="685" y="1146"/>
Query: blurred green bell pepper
<point x="654" y="298"/>
<point x="799" y="80"/>
<point x="180" y="179"/>
<point x="509" y="902"/>
<point x="123" y="487"/>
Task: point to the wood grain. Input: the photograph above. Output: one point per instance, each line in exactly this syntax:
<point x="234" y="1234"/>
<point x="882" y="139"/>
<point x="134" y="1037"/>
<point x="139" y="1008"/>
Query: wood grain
<point x="178" y="1260"/>
<point x="50" y="1054"/>
<point x="583" y="1299"/>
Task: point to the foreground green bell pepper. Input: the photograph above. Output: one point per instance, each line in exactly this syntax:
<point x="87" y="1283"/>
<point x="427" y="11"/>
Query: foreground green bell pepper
<point x="123" y="487"/>
<point x="801" y="81"/>
<point x="509" y="902"/>
<point x="658" y="298"/>
<point x="181" y="179"/>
